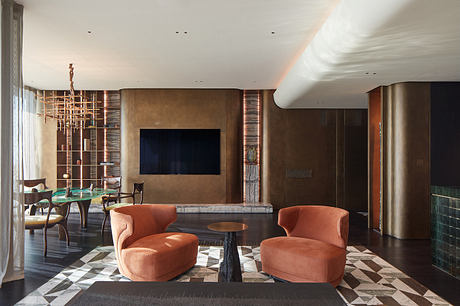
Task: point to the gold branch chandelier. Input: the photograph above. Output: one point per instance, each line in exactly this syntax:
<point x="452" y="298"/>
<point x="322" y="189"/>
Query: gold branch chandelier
<point x="70" y="110"/>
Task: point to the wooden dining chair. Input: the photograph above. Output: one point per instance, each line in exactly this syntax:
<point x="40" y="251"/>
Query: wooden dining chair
<point x="108" y="182"/>
<point x="138" y="191"/>
<point x="49" y="220"/>
<point x="34" y="183"/>
<point x="112" y="182"/>
<point x="108" y="205"/>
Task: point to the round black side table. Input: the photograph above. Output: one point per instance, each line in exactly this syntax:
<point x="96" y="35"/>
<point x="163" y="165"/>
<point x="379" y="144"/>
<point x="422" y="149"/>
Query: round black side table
<point x="230" y="268"/>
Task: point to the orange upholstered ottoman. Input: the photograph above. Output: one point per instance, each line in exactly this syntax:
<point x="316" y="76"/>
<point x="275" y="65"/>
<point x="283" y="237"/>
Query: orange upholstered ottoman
<point x="144" y="251"/>
<point x="314" y="249"/>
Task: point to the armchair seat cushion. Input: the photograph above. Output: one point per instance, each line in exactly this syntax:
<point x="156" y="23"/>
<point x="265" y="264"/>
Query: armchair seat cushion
<point x="303" y="260"/>
<point x="160" y="257"/>
<point x="41" y="220"/>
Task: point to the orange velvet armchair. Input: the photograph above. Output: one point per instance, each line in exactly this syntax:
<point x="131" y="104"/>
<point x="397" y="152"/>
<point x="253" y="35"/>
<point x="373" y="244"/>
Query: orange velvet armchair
<point x="144" y="251"/>
<point x="314" y="249"/>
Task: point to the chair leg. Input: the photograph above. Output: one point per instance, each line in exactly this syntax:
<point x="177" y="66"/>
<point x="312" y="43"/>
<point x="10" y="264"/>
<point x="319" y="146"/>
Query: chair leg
<point x="44" y="235"/>
<point x="32" y="211"/>
<point x="66" y="232"/>
<point x="103" y="222"/>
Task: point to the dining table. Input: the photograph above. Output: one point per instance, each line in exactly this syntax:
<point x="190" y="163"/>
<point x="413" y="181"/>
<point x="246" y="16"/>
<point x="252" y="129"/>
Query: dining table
<point x="81" y="196"/>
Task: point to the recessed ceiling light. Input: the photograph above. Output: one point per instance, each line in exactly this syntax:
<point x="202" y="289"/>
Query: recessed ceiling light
<point x="177" y="32"/>
<point x="89" y="32"/>
<point x="185" y="32"/>
<point x="273" y="32"/>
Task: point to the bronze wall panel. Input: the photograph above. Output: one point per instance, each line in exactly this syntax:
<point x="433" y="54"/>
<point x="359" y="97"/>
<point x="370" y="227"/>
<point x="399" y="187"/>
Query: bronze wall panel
<point x="340" y="163"/>
<point x="298" y="140"/>
<point x="351" y="157"/>
<point x="354" y="159"/>
<point x="406" y="163"/>
<point x="183" y="109"/>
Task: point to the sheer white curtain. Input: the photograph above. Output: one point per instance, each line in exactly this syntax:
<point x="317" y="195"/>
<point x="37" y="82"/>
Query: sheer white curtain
<point x="31" y="134"/>
<point x="11" y="172"/>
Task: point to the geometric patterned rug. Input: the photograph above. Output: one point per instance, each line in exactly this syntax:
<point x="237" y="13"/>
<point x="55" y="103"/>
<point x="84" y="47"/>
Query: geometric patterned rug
<point x="368" y="280"/>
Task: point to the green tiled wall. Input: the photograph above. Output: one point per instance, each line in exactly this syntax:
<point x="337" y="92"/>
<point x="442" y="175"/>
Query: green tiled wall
<point x="445" y="228"/>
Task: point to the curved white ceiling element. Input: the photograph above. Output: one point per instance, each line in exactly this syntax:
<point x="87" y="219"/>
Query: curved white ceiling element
<point x="364" y="44"/>
<point x="134" y="44"/>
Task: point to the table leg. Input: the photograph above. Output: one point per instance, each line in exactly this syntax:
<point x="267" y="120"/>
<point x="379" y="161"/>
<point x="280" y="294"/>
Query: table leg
<point x="63" y="211"/>
<point x="230" y="269"/>
<point x="83" y="206"/>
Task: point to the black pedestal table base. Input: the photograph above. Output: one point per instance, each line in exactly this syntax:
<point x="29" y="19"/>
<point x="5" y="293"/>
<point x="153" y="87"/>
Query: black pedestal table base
<point x="230" y="268"/>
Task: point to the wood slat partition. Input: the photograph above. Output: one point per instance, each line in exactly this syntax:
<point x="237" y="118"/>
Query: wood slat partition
<point x="375" y="115"/>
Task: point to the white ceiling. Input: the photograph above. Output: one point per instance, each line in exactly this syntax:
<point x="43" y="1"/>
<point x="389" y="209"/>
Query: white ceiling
<point x="367" y="43"/>
<point x="324" y="53"/>
<point x="134" y="44"/>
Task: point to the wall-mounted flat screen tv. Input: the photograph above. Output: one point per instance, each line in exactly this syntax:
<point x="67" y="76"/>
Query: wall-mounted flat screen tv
<point x="179" y="151"/>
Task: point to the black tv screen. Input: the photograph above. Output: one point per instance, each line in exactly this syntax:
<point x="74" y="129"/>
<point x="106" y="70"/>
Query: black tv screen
<point x="179" y="151"/>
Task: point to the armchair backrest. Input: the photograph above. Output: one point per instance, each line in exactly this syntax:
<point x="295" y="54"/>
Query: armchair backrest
<point x="324" y="223"/>
<point x="130" y="223"/>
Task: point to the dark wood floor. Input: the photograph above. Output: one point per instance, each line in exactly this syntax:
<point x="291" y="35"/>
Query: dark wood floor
<point x="411" y="256"/>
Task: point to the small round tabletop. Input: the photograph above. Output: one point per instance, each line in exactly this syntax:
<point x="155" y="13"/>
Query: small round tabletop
<point x="227" y="227"/>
